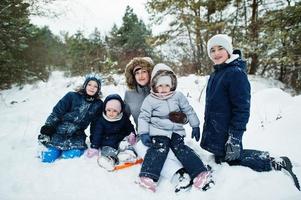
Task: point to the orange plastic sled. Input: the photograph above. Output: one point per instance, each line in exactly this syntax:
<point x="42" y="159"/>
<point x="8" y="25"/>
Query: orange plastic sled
<point x="127" y="164"/>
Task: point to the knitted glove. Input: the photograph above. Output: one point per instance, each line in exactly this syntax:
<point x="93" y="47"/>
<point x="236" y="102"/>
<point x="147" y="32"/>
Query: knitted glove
<point x="146" y="140"/>
<point x="132" y="138"/>
<point x="47" y="130"/>
<point x="92" y="152"/>
<point x="178" y="117"/>
<point x="195" y="133"/>
<point x="232" y="148"/>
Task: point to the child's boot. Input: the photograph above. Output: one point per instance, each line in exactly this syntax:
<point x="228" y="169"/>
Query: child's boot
<point x="203" y="181"/>
<point x="50" y="155"/>
<point x="284" y="164"/>
<point x="182" y="181"/>
<point x="127" y="155"/>
<point x="106" y="162"/>
<point x="147" y="183"/>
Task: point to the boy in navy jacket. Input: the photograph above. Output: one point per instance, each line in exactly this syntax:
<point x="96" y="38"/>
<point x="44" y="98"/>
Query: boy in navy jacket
<point x="227" y="112"/>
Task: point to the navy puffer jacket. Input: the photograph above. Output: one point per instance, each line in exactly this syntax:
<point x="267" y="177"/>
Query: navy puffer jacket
<point x="110" y="133"/>
<point x="227" y="107"/>
<point x="70" y="117"/>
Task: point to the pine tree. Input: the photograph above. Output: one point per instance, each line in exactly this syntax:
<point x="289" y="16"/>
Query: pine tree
<point x="129" y="40"/>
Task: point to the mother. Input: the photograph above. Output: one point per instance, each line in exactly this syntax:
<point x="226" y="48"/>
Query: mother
<point x="137" y="74"/>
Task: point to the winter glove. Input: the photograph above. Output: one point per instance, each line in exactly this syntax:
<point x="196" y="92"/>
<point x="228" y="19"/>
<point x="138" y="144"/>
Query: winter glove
<point x="232" y="148"/>
<point x="44" y="139"/>
<point x="195" y="133"/>
<point x="132" y="138"/>
<point x="47" y="130"/>
<point x="178" y="117"/>
<point x="92" y="152"/>
<point x="146" y="140"/>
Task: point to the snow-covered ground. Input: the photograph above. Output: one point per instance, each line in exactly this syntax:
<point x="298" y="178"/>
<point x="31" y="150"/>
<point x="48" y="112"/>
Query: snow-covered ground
<point x="274" y="126"/>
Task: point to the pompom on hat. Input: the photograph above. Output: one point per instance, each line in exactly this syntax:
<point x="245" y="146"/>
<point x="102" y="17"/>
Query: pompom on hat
<point x="220" y="40"/>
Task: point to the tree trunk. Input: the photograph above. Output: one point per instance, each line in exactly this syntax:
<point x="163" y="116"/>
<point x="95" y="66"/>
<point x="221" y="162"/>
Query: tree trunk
<point x="254" y="37"/>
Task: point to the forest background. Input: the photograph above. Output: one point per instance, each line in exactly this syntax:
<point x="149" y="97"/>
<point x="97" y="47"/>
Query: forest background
<point x="267" y="32"/>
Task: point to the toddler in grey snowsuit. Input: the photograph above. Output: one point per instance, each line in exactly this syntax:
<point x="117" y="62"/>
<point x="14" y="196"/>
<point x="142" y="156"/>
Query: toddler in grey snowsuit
<point x="161" y="134"/>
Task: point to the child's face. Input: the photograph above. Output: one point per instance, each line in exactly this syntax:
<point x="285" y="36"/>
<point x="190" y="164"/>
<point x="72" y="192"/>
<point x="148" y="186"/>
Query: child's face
<point x="142" y="77"/>
<point x="111" y="113"/>
<point x="218" y="54"/>
<point x="163" y="88"/>
<point x="91" y="88"/>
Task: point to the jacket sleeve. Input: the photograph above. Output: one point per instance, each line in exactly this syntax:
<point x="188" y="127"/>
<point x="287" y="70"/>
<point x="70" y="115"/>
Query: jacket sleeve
<point x="239" y="93"/>
<point x="96" y="129"/>
<point x="188" y="110"/>
<point x="59" y="110"/>
<point x="144" y="117"/>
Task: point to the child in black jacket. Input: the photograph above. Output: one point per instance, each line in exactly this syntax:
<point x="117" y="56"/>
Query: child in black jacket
<point x="108" y="131"/>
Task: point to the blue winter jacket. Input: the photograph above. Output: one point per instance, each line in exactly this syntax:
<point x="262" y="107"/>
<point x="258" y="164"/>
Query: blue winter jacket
<point x="227" y="108"/>
<point x="70" y="117"/>
<point x="110" y="133"/>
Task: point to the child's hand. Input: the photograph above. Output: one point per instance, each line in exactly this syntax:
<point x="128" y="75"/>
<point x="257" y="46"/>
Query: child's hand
<point x="195" y="133"/>
<point x="92" y="152"/>
<point x="47" y="130"/>
<point x="146" y="140"/>
<point x="132" y="138"/>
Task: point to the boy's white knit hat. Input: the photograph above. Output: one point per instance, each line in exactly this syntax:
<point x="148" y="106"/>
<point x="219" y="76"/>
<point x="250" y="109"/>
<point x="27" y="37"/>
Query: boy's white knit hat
<point x="220" y="40"/>
<point x="164" y="80"/>
<point x="114" y="104"/>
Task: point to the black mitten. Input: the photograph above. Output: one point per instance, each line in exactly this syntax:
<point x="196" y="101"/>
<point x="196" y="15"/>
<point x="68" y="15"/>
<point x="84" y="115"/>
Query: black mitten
<point x="178" y="117"/>
<point x="47" y="130"/>
<point x="44" y="139"/>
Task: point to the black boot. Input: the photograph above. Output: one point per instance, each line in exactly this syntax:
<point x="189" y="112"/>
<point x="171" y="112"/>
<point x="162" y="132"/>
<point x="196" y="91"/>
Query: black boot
<point x="284" y="163"/>
<point x="182" y="181"/>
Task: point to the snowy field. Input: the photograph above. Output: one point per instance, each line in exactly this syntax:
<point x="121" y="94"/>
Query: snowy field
<point x="274" y="126"/>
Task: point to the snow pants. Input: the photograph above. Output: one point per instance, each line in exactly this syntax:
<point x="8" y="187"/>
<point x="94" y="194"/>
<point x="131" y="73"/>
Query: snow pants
<point x="156" y="155"/>
<point x="257" y="160"/>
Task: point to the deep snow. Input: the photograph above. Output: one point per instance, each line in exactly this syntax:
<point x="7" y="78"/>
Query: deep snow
<point x="274" y="126"/>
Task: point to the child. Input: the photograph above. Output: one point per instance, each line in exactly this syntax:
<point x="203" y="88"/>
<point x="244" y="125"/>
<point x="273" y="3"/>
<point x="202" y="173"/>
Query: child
<point x="161" y="134"/>
<point x="137" y="76"/>
<point x="227" y="112"/>
<point x="107" y="132"/>
<point x="63" y="133"/>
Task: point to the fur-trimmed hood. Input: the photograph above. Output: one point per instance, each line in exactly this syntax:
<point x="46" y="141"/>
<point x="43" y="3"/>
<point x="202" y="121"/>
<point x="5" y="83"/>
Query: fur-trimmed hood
<point x="159" y="70"/>
<point x="144" y="62"/>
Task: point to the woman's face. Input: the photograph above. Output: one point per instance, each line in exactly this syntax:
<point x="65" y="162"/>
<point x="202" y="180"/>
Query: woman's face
<point x="218" y="54"/>
<point x="91" y="88"/>
<point x="142" y="77"/>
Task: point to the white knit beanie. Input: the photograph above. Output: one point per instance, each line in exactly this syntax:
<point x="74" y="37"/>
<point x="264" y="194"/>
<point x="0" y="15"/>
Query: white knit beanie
<point x="114" y="104"/>
<point x="164" y="80"/>
<point x="220" y="40"/>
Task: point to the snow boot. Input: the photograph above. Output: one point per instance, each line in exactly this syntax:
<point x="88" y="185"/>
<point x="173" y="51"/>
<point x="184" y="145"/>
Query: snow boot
<point x="147" y="183"/>
<point x="182" y="181"/>
<point x="127" y="155"/>
<point x="284" y="164"/>
<point x="203" y="181"/>
<point x="106" y="162"/>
